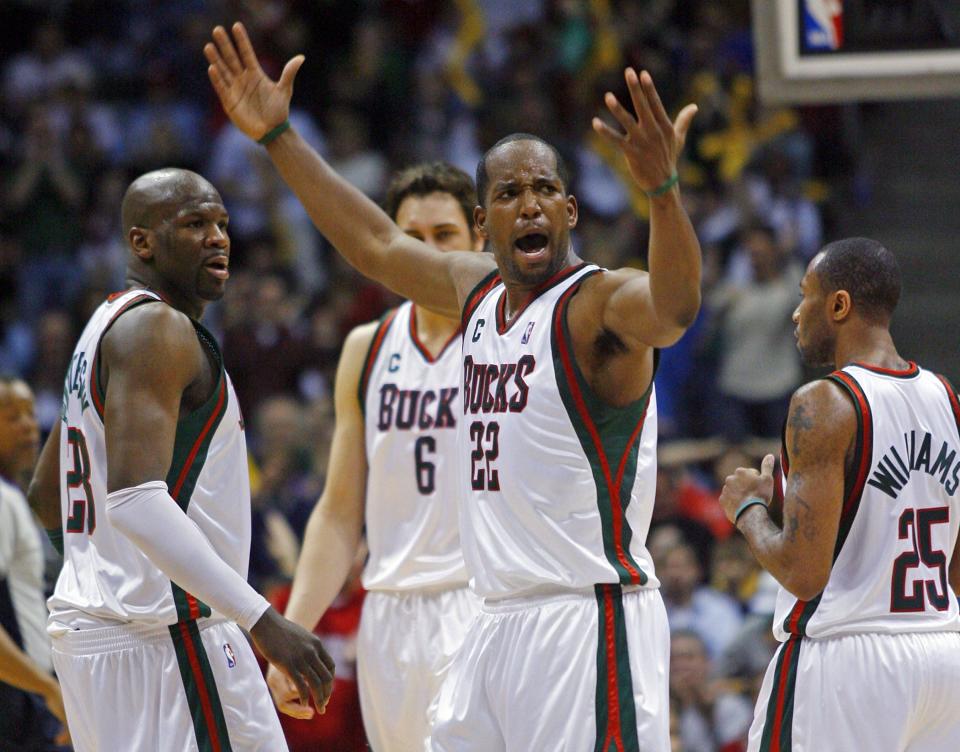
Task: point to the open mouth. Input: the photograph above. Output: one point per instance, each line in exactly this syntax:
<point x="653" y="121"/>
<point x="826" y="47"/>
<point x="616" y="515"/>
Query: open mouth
<point x="218" y="267"/>
<point x="532" y="243"/>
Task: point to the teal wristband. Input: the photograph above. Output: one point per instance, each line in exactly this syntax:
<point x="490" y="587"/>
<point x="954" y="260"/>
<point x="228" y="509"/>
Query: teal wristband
<point x="751" y="501"/>
<point x="272" y="135"/>
<point x="55" y="535"/>
<point x="670" y="182"/>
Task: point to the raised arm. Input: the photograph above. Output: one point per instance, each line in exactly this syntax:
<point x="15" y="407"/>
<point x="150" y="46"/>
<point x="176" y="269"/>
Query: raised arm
<point x="360" y="230"/>
<point x="333" y="531"/>
<point x="653" y="308"/>
<point x="151" y="356"/>
<point x="821" y="429"/>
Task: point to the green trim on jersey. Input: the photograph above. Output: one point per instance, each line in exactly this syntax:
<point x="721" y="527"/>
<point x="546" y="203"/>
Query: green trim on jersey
<point x="203" y="699"/>
<point x="615" y="709"/>
<point x="371" y="357"/>
<point x="192" y="442"/>
<point x="606" y="433"/>
<point x="778" y="723"/>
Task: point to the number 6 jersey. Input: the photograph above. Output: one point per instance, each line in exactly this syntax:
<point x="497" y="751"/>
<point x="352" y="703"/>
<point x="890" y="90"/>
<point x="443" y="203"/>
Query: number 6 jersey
<point x="411" y="406"/>
<point x="558" y="485"/>
<point x="105" y="578"/>
<point x="900" y="515"/>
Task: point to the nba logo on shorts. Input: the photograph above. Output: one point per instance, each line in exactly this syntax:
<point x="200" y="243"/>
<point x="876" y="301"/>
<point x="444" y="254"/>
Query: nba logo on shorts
<point x="231" y="658"/>
<point x="823" y="24"/>
<point x="526" y="335"/>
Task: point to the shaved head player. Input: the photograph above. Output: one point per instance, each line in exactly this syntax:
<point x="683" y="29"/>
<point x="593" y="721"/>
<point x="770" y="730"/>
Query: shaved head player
<point x="145" y="478"/>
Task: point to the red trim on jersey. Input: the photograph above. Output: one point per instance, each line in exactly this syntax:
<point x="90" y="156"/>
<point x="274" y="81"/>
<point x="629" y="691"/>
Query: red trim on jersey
<point x="201" y="686"/>
<point x="613" y="691"/>
<point x="911" y="370"/>
<point x="952" y="396"/>
<point x="781" y="696"/>
<point x="203" y="434"/>
<point x="613" y="489"/>
<point x="375" y="350"/>
<point x="476" y="295"/>
<point x="502" y="325"/>
<point x="423" y="348"/>
<point x="95" y="363"/>
<point x="866" y="450"/>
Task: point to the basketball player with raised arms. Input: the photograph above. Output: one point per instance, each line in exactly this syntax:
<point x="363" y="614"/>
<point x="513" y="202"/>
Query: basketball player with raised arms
<point x="398" y="403"/>
<point x="557" y="440"/>
<point x="864" y="540"/>
<point x="145" y="476"/>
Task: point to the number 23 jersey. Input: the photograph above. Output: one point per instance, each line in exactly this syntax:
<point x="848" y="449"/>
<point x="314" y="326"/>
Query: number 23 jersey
<point x="105" y="578"/>
<point x="559" y="486"/>
<point x="900" y="515"/>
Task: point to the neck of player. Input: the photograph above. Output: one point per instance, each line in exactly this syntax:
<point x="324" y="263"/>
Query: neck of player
<point x="434" y="330"/>
<point x="872" y="345"/>
<point x="192" y="307"/>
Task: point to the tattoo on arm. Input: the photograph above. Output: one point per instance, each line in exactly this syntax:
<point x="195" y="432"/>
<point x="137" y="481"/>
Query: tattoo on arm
<point x="801" y="519"/>
<point x="800" y="421"/>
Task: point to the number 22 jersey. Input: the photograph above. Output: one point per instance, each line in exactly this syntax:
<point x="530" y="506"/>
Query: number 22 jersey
<point x="559" y="486"/>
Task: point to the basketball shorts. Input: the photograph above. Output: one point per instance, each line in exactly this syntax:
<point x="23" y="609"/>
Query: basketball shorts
<point x="182" y="688"/>
<point x="876" y="692"/>
<point x="404" y="649"/>
<point x="574" y="672"/>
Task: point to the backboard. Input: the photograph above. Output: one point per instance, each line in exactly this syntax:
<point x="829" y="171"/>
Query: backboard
<point x="810" y="51"/>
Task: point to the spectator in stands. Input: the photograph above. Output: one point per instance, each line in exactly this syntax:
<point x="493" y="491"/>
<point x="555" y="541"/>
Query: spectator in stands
<point x="48" y="368"/>
<point x="714" y="616"/>
<point x="759" y="365"/>
<point x="45" y="195"/>
<point x="712" y="718"/>
<point x="265" y="352"/>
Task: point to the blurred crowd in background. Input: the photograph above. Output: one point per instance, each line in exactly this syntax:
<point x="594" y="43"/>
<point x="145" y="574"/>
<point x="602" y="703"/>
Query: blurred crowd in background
<point x="95" y="92"/>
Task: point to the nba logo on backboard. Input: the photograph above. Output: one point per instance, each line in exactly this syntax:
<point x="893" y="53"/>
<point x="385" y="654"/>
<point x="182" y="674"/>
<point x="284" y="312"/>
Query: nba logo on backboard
<point x="231" y="658"/>
<point x="526" y="335"/>
<point x="823" y="24"/>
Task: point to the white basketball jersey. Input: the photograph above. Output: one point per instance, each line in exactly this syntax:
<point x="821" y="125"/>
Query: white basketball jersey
<point x="105" y="577"/>
<point x="901" y="512"/>
<point x="559" y="485"/>
<point x="411" y="404"/>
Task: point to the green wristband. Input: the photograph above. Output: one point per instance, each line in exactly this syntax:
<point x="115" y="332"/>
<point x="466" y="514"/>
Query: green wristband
<point x="55" y="535"/>
<point x="751" y="501"/>
<point x="272" y="134"/>
<point x="667" y="185"/>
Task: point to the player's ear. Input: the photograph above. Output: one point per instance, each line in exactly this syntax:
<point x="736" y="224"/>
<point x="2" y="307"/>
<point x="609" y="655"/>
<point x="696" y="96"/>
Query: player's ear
<point x="842" y="305"/>
<point x="480" y="221"/>
<point x="573" y="211"/>
<point x="141" y="241"/>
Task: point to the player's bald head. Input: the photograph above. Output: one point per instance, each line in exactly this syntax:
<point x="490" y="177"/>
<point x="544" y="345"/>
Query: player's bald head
<point x="156" y="194"/>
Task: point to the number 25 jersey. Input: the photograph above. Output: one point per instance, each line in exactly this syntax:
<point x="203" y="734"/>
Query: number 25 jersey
<point x="900" y="513"/>
<point x="558" y="486"/>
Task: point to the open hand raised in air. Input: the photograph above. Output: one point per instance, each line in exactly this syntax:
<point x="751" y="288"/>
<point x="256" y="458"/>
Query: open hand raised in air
<point x="651" y="143"/>
<point x="252" y="100"/>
